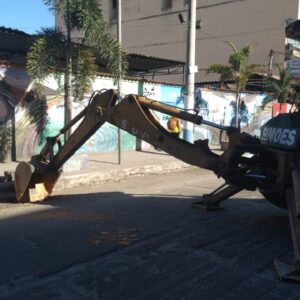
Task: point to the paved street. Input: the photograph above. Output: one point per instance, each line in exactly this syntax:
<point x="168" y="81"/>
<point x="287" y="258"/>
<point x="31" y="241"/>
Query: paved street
<point x="139" y="238"/>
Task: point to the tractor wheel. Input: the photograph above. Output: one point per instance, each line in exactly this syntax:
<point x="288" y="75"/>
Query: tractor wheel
<point x="276" y="198"/>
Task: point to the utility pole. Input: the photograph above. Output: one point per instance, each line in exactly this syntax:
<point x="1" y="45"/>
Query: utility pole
<point x="119" y="32"/>
<point x="190" y="69"/>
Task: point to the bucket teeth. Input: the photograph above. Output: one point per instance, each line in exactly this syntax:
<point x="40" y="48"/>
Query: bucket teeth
<point x="23" y="178"/>
<point x="38" y="193"/>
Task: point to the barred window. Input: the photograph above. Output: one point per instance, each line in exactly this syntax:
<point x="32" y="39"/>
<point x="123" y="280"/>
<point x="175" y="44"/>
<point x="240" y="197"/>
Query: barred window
<point x="166" y="4"/>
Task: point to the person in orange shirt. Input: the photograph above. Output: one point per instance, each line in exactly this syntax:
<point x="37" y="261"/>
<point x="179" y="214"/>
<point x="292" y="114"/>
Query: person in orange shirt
<point x="174" y="126"/>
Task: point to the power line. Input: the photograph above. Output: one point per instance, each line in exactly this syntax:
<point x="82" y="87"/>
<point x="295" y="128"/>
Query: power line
<point x="199" y="7"/>
<point x="209" y="36"/>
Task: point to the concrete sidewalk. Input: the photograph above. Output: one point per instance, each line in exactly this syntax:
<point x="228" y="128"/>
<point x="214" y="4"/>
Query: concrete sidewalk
<point x="87" y="169"/>
<point x="104" y="167"/>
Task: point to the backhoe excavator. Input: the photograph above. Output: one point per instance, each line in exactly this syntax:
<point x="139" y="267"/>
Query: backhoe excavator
<point x="269" y="163"/>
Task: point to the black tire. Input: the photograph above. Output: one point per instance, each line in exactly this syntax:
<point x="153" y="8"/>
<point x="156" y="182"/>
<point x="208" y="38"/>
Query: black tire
<point x="277" y="199"/>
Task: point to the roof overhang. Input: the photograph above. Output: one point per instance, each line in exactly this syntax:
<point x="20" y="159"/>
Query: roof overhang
<point x="14" y="45"/>
<point x="141" y="66"/>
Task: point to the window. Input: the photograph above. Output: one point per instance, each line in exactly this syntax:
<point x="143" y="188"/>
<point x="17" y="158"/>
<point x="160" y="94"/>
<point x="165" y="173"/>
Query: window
<point x="113" y="10"/>
<point x="166" y="4"/>
<point x="186" y="2"/>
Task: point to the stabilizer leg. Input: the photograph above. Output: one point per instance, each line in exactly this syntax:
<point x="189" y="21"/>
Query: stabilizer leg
<point x="212" y="201"/>
<point x="291" y="272"/>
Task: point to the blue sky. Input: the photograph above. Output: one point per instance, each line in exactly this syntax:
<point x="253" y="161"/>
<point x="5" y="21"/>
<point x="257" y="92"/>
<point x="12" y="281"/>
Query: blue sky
<point x="25" y="15"/>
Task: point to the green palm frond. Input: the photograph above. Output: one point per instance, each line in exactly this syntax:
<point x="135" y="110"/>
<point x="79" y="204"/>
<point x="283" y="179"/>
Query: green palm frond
<point x="44" y="53"/>
<point x="51" y="4"/>
<point x="37" y="109"/>
<point x="84" y="71"/>
<point x="225" y="72"/>
<point x="107" y="49"/>
<point x="55" y="52"/>
<point x="232" y="46"/>
<point x="246" y="51"/>
<point x="237" y="70"/>
<point x="87" y="15"/>
<point x="238" y="59"/>
<point x="55" y="5"/>
<point x="281" y="89"/>
<point x="110" y="52"/>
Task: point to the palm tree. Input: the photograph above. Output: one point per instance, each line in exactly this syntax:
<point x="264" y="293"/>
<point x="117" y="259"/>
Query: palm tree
<point x="55" y="50"/>
<point x="237" y="70"/>
<point x="281" y="89"/>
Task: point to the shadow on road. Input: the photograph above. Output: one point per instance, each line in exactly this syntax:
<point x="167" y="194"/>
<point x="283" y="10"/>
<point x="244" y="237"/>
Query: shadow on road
<point x="123" y="246"/>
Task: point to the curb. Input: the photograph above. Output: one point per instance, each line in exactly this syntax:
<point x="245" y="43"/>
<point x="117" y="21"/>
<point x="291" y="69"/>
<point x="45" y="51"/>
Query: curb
<point x="99" y="178"/>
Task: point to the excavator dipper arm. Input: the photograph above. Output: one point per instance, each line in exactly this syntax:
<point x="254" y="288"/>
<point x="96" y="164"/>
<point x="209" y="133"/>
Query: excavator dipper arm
<point x="35" y="180"/>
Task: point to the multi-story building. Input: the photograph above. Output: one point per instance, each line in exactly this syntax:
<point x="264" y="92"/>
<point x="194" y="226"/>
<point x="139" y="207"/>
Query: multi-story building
<point x="153" y="28"/>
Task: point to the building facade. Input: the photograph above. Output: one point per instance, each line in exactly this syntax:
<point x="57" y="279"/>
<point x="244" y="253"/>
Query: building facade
<point x="153" y="28"/>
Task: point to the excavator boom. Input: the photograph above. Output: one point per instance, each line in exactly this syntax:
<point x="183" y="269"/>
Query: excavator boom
<point x="35" y="180"/>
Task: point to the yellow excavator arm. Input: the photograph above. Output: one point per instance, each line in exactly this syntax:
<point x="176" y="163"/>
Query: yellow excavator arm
<point x="35" y="180"/>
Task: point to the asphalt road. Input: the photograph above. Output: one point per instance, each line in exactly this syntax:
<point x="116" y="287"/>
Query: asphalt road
<point x="140" y="239"/>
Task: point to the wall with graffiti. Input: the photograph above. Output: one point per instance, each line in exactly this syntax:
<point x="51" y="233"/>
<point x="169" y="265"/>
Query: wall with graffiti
<point x="36" y="117"/>
<point x="105" y="138"/>
<point x="33" y="117"/>
<point x="219" y="107"/>
<point x="167" y="94"/>
<point x="214" y="105"/>
<point x="26" y="119"/>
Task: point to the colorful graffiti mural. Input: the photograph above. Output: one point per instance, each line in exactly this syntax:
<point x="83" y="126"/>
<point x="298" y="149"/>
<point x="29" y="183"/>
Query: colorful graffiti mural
<point x="214" y="105"/>
<point x="219" y="107"/>
<point x="103" y="140"/>
<point x="170" y="95"/>
<point x="35" y="118"/>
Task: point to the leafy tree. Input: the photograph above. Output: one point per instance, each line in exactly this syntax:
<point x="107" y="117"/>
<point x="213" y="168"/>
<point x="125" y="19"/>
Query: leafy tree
<point x="281" y="89"/>
<point x="237" y="70"/>
<point x="74" y="50"/>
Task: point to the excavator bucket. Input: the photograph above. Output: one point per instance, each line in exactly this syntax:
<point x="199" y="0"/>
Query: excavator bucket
<point x="28" y="183"/>
<point x="35" y="180"/>
<point x="31" y="186"/>
<point x="23" y="178"/>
